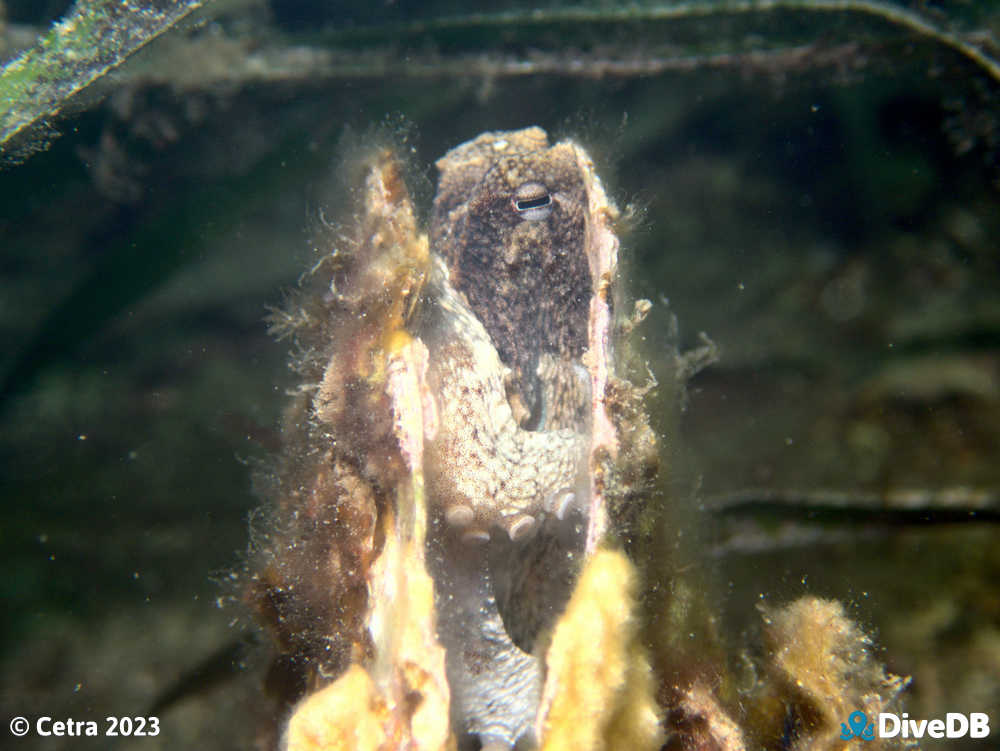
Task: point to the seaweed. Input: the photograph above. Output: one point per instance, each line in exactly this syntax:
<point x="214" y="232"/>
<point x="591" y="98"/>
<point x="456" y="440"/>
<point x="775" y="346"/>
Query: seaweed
<point x="92" y="39"/>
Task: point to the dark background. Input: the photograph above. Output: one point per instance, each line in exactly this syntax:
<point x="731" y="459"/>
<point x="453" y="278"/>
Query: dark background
<point x="817" y="192"/>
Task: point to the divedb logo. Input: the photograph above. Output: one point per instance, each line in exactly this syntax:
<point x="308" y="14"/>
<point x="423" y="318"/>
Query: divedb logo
<point x="954" y="725"/>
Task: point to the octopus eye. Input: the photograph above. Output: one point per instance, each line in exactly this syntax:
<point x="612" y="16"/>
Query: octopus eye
<point x="532" y="201"/>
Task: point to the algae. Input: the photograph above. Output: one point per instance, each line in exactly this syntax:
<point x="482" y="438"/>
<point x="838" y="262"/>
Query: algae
<point x="94" y="37"/>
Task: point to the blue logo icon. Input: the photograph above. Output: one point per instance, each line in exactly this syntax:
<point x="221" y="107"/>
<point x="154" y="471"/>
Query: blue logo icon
<point x="860" y="727"/>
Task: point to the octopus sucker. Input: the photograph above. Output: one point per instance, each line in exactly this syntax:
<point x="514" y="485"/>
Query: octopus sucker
<point x="560" y="503"/>
<point x="459" y="516"/>
<point x="521" y="528"/>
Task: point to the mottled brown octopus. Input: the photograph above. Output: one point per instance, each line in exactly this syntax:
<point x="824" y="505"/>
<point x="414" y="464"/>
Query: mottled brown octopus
<point x="506" y="328"/>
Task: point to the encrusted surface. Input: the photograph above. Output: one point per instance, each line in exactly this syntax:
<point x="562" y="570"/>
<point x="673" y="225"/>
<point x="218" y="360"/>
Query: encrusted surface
<point x="350" y="514"/>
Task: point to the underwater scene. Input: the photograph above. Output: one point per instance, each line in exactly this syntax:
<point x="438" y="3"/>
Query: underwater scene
<point x="515" y="376"/>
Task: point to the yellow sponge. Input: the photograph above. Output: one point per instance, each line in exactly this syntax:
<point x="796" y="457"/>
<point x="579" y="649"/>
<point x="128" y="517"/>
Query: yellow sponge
<point x="599" y="689"/>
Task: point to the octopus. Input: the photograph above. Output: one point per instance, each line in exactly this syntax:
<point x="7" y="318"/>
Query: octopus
<point x="506" y="327"/>
<point x="452" y="436"/>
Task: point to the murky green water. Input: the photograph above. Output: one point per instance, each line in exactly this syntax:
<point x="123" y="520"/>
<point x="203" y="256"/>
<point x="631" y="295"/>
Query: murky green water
<point x="817" y="191"/>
